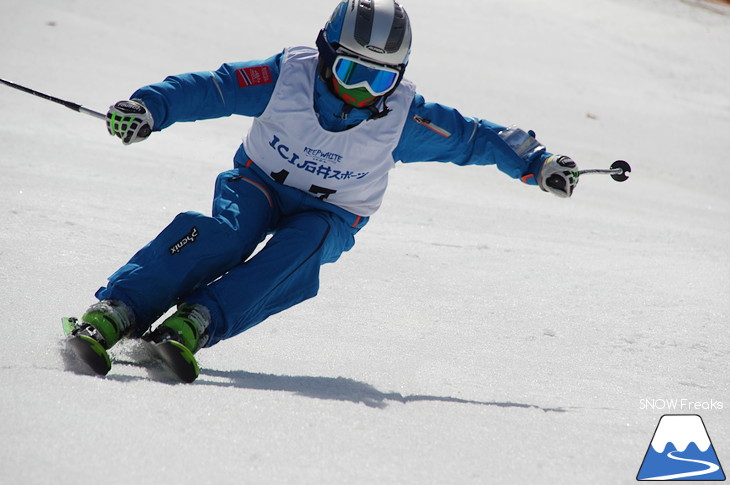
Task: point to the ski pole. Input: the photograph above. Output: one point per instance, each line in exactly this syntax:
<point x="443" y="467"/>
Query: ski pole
<point x="68" y="104"/>
<point x="618" y="170"/>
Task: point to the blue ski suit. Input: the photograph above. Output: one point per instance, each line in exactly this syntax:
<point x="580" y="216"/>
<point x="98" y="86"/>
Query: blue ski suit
<point x="208" y="259"/>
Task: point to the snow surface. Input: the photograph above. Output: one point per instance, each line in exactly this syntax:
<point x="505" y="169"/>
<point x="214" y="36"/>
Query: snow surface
<point x="481" y="331"/>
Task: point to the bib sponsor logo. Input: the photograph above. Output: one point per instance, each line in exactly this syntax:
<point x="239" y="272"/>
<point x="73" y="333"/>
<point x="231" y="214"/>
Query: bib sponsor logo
<point x="317" y="164"/>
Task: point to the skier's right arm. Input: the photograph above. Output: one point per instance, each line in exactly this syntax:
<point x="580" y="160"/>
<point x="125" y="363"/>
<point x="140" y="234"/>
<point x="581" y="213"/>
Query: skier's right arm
<point x="242" y="88"/>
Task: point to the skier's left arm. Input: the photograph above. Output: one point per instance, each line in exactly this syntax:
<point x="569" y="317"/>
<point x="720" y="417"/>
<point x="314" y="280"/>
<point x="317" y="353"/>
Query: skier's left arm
<point x="434" y="132"/>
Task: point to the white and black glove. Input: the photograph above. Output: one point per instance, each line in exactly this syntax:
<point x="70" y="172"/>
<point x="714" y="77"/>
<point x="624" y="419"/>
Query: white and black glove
<point x="558" y="175"/>
<point x="129" y="120"/>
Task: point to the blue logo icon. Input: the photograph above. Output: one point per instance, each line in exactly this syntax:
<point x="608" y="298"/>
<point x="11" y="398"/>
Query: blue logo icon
<point x="681" y="450"/>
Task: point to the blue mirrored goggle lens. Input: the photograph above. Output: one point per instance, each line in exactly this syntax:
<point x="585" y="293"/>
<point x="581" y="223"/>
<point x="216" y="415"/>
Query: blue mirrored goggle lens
<point x="351" y="73"/>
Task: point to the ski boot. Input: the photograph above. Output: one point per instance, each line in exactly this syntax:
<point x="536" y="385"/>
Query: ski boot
<point x="102" y="326"/>
<point x="179" y="337"/>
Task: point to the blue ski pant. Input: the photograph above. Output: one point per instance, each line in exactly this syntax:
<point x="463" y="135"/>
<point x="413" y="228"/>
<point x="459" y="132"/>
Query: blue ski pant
<point x="207" y="259"/>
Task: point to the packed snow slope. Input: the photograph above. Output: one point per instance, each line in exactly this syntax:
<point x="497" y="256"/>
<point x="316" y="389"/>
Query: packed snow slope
<point x="481" y="331"/>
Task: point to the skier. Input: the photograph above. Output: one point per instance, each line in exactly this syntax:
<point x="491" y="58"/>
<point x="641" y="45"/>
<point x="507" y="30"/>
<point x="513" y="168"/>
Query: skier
<point x="329" y="123"/>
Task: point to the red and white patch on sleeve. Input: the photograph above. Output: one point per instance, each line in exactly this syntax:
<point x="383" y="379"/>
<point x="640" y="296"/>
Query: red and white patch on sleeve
<point x="253" y="76"/>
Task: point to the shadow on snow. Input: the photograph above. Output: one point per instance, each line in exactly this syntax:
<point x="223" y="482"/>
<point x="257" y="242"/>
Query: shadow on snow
<point x="337" y="389"/>
<point x="327" y="388"/>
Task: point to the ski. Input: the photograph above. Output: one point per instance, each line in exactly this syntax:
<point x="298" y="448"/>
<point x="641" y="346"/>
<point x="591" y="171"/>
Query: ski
<point x="86" y="349"/>
<point x="173" y="356"/>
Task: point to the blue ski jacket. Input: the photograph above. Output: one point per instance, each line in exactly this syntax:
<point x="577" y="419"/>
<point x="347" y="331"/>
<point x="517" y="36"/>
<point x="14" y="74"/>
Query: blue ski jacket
<point x="432" y="132"/>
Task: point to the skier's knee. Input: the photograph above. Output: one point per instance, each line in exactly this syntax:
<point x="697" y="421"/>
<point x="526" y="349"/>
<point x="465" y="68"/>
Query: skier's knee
<point x="187" y="217"/>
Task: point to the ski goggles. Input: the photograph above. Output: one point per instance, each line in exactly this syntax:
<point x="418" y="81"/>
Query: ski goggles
<point x="352" y="73"/>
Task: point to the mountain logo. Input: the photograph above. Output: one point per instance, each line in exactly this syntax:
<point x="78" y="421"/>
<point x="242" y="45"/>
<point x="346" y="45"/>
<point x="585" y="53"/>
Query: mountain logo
<point x="681" y="450"/>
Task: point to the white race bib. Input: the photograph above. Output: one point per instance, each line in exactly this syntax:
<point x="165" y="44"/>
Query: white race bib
<point x="348" y="169"/>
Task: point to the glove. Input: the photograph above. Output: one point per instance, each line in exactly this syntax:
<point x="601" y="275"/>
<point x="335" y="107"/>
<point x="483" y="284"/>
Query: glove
<point x="558" y="175"/>
<point x="129" y="120"/>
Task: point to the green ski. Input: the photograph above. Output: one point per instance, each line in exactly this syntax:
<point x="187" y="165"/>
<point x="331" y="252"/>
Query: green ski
<point x="85" y="348"/>
<point x="176" y="357"/>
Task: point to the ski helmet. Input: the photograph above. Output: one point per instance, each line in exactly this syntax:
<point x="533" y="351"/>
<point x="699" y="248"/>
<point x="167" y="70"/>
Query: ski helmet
<point x="374" y="36"/>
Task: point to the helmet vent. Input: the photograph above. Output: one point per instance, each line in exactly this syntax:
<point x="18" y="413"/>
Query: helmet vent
<point x="364" y="23"/>
<point x="398" y="31"/>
